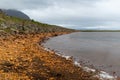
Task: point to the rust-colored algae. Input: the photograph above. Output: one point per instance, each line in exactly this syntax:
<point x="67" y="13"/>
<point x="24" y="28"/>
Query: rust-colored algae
<point x="22" y="58"/>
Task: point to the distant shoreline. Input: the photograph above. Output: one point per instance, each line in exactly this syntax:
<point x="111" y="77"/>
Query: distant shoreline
<point x="99" y="30"/>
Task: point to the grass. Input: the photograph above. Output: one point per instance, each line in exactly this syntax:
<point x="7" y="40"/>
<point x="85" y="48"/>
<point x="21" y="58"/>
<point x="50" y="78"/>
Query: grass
<point x="27" y="26"/>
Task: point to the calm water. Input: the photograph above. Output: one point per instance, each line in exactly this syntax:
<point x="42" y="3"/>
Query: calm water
<point x="99" y="48"/>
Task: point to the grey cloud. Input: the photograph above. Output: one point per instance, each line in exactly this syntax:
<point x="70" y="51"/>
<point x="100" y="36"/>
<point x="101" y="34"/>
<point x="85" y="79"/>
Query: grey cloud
<point x="70" y="13"/>
<point x="25" y="4"/>
<point x="32" y="4"/>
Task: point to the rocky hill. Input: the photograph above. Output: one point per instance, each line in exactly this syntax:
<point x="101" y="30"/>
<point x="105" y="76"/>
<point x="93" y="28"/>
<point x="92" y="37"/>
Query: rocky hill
<point x="14" y="25"/>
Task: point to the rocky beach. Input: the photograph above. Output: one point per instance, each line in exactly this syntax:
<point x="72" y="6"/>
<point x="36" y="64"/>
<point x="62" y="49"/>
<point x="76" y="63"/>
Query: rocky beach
<point x="22" y="58"/>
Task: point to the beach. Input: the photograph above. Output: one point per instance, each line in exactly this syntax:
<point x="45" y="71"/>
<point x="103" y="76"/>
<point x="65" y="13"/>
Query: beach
<point x="23" y="58"/>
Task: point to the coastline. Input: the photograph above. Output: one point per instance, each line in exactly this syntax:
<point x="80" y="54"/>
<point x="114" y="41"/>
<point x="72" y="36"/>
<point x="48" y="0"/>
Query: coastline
<point x="102" y="75"/>
<point x="24" y="58"/>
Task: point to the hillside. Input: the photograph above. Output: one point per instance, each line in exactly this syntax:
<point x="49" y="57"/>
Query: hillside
<point x="15" y="25"/>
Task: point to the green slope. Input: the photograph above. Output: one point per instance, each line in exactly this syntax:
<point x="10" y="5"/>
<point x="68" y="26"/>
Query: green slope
<point x="15" y="25"/>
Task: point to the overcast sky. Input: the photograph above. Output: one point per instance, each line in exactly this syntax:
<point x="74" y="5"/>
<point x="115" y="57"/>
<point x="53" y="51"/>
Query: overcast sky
<point x="87" y="14"/>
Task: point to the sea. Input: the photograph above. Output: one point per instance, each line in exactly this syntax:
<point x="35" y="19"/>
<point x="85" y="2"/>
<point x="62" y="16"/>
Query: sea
<point x="98" y="50"/>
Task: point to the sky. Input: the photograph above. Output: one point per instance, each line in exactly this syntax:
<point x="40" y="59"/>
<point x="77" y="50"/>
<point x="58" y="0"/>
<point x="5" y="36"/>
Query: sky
<point x="77" y="14"/>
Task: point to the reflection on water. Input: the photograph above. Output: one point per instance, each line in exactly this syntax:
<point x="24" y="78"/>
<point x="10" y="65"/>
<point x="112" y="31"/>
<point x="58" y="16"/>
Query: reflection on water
<point x="99" y="48"/>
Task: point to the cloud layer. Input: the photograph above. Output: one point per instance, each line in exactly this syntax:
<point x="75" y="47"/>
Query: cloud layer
<point x="85" y="14"/>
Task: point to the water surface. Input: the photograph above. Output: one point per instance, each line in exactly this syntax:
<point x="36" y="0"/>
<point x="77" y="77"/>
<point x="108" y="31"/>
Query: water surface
<point x="101" y="49"/>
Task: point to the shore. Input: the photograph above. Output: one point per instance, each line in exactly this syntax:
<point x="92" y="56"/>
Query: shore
<point x="23" y="58"/>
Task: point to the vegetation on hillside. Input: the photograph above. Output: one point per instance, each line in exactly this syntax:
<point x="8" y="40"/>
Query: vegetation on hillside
<point x="13" y="25"/>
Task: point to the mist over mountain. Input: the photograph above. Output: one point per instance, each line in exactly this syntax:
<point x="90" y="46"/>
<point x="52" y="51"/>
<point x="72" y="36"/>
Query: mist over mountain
<point x="15" y="13"/>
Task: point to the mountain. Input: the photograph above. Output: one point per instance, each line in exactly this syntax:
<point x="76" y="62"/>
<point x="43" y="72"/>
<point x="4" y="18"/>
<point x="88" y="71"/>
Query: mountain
<point x="15" y="13"/>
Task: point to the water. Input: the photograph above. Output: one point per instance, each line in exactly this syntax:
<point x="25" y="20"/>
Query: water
<point x="100" y="50"/>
